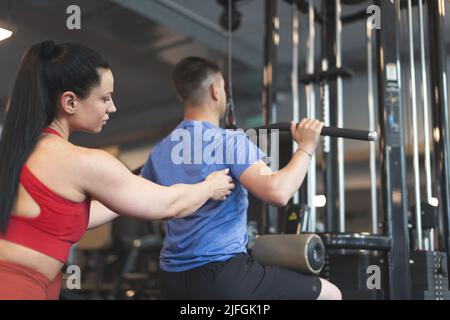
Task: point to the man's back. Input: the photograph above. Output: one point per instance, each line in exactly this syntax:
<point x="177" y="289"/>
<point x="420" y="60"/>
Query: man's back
<point x="218" y="231"/>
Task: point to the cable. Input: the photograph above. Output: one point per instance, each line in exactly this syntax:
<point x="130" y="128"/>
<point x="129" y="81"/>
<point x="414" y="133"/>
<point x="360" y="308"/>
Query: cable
<point x="230" y="48"/>
<point x="230" y="121"/>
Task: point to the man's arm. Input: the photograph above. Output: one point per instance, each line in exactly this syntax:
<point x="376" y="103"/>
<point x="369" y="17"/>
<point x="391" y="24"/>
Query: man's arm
<point x="277" y="188"/>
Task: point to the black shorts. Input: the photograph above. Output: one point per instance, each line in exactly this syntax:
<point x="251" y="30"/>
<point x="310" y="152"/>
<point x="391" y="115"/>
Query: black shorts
<point x="240" y="278"/>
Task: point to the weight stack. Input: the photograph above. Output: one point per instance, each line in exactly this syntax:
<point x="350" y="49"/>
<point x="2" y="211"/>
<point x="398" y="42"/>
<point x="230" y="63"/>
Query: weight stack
<point x="348" y="270"/>
<point x="429" y="276"/>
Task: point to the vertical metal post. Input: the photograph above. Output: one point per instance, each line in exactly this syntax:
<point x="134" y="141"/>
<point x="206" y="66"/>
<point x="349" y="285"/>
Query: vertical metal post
<point x="340" y="118"/>
<point x="372" y="127"/>
<point x="426" y="109"/>
<point x="269" y="101"/>
<point x="330" y="91"/>
<point x="392" y="150"/>
<point x="311" y="113"/>
<point x="440" y="121"/>
<point x="415" y="129"/>
<point x="294" y="76"/>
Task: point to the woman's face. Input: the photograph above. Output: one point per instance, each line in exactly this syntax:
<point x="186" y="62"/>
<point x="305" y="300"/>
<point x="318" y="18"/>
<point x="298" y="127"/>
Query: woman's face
<point x="92" y="113"/>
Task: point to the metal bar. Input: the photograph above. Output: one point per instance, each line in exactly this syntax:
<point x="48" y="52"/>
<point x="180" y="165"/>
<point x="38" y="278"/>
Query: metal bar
<point x="426" y="109"/>
<point x="415" y="129"/>
<point x="372" y="150"/>
<point x="330" y="98"/>
<point x="392" y="153"/>
<point x="325" y="100"/>
<point x="294" y="77"/>
<point x="440" y="121"/>
<point x="301" y="196"/>
<point x="340" y="118"/>
<point x="285" y="127"/>
<point x="269" y="103"/>
<point x="311" y="113"/>
<point x="355" y="241"/>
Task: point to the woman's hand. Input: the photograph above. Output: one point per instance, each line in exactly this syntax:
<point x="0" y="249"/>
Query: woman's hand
<point x="221" y="184"/>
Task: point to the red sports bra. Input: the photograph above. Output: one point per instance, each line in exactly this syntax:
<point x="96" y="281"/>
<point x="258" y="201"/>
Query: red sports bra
<point x="60" y="224"/>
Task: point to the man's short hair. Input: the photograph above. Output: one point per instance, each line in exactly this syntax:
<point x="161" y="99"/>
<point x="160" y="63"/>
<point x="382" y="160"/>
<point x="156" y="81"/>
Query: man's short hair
<point x="188" y="76"/>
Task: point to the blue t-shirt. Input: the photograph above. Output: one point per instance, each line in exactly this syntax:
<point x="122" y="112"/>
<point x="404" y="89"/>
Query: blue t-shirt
<point x="218" y="230"/>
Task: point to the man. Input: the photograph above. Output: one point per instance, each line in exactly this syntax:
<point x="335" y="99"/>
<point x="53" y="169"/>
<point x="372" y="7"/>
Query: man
<point x="204" y="256"/>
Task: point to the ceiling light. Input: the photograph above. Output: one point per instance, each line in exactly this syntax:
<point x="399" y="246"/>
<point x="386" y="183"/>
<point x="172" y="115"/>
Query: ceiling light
<point x="5" y="34"/>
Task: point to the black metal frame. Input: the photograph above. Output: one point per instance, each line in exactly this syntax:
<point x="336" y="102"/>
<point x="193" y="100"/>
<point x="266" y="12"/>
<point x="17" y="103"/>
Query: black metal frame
<point x="392" y="151"/>
<point x="269" y="101"/>
<point x="439" y="106"/>
<point x="395" y="240"/>
<point x="330" y="162"/>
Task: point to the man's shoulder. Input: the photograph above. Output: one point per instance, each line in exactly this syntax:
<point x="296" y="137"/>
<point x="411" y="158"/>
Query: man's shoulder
<point x="235" y="132"/>
<point x="236" y="136"/>
<point x="161" y="143"/>
<point x="160" y="148"/>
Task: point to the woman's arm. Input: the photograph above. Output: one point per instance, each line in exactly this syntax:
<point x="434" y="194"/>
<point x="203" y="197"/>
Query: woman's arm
<point x="106" y="179"/>
<point x="100" y="215"/>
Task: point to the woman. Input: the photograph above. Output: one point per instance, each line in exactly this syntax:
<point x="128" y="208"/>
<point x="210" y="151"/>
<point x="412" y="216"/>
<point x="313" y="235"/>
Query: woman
<point x="46" y="183"/>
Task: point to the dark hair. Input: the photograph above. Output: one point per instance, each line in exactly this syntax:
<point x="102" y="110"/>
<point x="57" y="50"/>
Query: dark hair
<point x="188" y="76"/>
<point x="46" y="71"/>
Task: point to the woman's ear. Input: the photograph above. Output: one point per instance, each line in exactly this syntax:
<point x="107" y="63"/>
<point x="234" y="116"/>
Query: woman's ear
<point x="68" y="102"/>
